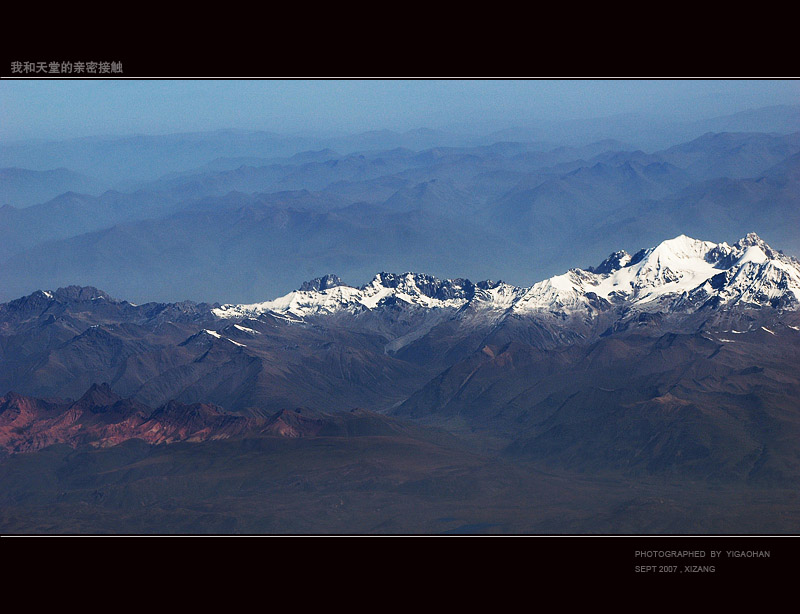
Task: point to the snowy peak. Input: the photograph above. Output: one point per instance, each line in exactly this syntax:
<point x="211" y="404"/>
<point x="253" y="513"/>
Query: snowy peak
<point x="755" y="244"/>
<point x="385" y="289"/>
<point x="298" y="304"/>
<point x="680" y="249"/>
<point x="673" y="266"/>
<point x="614" y="262"/>
<point x="416" y="286"/>
<point x="753" y="274"/>
<point x="322" y="283"/>
<point x="678" y="275"/>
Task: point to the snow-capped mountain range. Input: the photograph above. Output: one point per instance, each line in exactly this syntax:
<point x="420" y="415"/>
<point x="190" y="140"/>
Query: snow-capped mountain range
<point x="680" y="274"/>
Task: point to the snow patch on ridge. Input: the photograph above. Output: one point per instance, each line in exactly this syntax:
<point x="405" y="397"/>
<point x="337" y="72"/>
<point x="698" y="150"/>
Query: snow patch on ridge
<point x="246" y="330"/>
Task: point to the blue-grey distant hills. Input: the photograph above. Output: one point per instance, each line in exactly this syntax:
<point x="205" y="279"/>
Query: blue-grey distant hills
<point x="508" y="209"/>
<point x="20" y="187"/>
<point x="121" y="161"/>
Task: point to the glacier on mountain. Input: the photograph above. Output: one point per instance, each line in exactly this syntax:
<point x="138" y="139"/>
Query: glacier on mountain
<point x="681" y="274"/>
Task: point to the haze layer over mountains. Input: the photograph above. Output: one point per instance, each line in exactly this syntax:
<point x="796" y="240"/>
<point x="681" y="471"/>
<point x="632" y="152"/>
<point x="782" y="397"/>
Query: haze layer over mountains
<point x="235" y="216"/>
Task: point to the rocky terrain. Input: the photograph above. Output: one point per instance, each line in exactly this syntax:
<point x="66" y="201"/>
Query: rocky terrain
<point x="677" y="364"/>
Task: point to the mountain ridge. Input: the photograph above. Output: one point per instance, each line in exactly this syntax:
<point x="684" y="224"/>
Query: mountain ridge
<point x="102" y="418"/>
<point x="679" y="268"/>
<point x="335" y="346"/>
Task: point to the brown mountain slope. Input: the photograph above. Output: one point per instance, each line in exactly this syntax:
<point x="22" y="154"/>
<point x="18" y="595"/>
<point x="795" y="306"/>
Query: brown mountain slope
<point x="713" y="404"/>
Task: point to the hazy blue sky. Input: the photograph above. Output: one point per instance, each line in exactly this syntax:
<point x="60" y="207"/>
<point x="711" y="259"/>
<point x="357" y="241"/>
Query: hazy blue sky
<point x="62" y="109"/>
